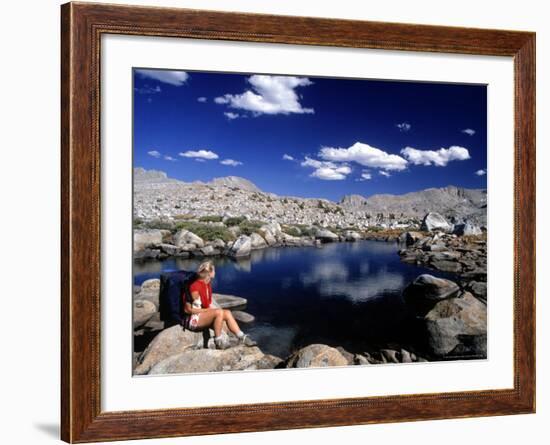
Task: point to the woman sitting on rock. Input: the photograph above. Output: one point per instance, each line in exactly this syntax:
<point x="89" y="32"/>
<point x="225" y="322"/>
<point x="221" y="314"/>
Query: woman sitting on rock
<point x="201" y="315"/>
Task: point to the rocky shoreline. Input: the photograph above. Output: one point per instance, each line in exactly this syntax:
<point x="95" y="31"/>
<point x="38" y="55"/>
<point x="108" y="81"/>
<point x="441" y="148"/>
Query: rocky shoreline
<point x="465" y="256"/>
<point x="236" y="241"/>
<point x="458" y="249"/>
<point x="237" y="237"/>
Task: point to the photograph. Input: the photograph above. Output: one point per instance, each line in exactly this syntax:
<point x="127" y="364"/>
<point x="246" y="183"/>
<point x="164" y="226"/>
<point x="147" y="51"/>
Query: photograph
<point x="297" y="221"/>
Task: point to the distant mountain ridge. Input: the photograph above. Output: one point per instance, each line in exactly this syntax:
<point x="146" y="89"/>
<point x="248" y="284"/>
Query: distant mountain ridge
<point x="236" y="181"/>
<point x="158" y="195"/>
<point x="150" y="176"/>
<point x="450" y="201"/>
<point x="142" y="176"/>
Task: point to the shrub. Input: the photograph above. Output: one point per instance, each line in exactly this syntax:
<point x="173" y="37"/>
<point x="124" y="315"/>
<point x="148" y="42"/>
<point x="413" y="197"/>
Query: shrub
<point x="334" y="229"/>
<point x="206" y="231"/>
<point x="234" y="221"/>
<point x="183" y="216"/>
<point x="306" y="230"/>
<point x="210" y="218"/>
<point x="249" y="227"/>
<point x="292" y="231"/>
<point x="374" y="229"/>
<point x="157" y="224"/>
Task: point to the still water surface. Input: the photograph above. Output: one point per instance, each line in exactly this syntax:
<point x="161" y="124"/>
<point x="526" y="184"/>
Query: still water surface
<point x="342" y="294"/>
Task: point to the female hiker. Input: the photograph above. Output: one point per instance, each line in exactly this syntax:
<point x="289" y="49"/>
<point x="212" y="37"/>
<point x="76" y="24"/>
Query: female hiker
<point x="202" y="315"/>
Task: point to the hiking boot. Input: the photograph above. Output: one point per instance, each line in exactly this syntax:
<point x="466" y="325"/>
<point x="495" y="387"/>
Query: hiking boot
<point x="221" y="343"/>
<point x="247" y="341"/>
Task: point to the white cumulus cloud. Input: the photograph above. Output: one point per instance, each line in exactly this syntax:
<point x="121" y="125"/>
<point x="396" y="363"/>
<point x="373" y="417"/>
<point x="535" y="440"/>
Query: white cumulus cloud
<point x="176" y="78"/>
<point x="364" y="155"/>
<point x="287" y="157"/>
<point x="230" y="115"/>
<point x="327" y="170"/>
<point x="310" y="162"/>
<point x="469" y="131"/>
<point x="481" y="172"/>
<point x="439" y="158"/>
<point x="403" y="126"/>
<point x="269" y="95"/>
<point x="157" y="154"/>
<point x="199" y="154"/>
<point x="201" y="99"/>
<point x="231" y="162"/>
<point x="365" y="176"/>
<point x="386" y="174"/>
<point x="332" y="174"/>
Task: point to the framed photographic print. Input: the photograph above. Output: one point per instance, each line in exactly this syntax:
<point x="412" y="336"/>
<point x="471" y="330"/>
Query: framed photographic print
<point x="274" y="222"/>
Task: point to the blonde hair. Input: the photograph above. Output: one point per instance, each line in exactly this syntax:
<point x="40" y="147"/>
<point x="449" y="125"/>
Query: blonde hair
<point x="205" y="269"/>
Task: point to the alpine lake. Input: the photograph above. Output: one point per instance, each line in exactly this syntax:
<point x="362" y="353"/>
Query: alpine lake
<point x="345" y="294"/>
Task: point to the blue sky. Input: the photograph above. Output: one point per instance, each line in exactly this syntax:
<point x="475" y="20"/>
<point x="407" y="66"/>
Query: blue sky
<point x="309" y="136"/>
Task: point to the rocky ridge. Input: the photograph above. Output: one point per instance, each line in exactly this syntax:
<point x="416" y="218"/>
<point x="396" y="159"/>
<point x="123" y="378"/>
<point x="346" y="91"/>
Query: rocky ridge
<point x="158" y="197"/>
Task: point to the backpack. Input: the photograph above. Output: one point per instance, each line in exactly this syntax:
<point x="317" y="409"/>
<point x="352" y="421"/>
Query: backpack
<point x="172" y="286"/>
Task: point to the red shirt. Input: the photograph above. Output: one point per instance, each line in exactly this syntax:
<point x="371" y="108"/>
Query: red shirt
<point x="204" y="290"/>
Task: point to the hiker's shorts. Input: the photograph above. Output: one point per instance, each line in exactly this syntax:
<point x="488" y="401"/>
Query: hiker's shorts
<point x="193" y="322"/>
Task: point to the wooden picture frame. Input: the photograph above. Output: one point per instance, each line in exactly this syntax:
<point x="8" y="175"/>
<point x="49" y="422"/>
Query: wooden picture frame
<point x="82" y="26"/>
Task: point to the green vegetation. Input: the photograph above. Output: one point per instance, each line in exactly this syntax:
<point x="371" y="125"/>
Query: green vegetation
<point x="336" y="230"/>
<point x="249" y="227"/>
<point x="234" y="221"/>
<point x="292" y="230"/>
<point x="306" y="230"/>
<point x="156" y="224"/>
<point x="183" y="216"/>
<point x="211" y="218"/>
<point x="375" y="229"/>
<point x="206" y="231"/>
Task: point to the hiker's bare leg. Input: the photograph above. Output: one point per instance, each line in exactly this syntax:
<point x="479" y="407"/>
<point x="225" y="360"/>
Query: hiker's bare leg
<point x="212" y="318"/>
<point x="231" y="322"/>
